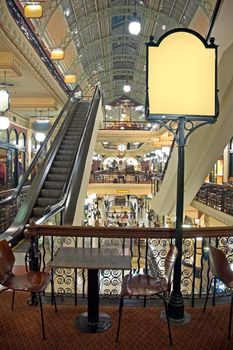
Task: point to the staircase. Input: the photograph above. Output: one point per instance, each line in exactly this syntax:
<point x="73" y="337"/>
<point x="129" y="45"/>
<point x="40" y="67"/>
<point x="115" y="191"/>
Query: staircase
<point x="57" y="176"/>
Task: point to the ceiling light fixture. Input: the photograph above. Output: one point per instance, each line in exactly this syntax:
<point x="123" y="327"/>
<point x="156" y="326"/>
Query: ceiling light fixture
<point x="4" y="105"/>
<point x="4" y="100"/>
<point x="57" y="54"/>
<point x="126" y="88"/>
<point x="70" y="79"/>
<point x="134" y="25"/>
<point x="4" y="122"/>
<point x="40" y="136"/>
<point x="33" y="10"/>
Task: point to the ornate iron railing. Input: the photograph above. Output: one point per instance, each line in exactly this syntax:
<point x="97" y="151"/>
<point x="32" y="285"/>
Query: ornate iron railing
<point x="9" y="211"/>
<point x="219" y="197"/>
<point x="195" y="269"/>
<point x="120" y="177"/>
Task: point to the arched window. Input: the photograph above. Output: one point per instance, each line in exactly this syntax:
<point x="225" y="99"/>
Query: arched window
<point x="22" y="139"/>
<point x="4" y="135"/>
<point x="13" y="137"/>
<point x="33" y="145"/>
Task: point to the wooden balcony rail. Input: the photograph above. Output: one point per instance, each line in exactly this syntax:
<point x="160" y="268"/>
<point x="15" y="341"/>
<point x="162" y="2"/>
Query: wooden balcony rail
<point x="34" y="230"/>
<point x="147" y="247"/>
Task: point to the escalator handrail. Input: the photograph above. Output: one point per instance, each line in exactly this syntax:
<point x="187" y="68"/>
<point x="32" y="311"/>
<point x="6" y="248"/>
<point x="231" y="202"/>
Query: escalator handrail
<point x="168" y="158"/>
<point x="55" y="208"/>
<point x="25" y="176"/>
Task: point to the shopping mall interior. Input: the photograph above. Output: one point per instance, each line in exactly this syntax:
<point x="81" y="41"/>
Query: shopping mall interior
<point x="87" y="168"/>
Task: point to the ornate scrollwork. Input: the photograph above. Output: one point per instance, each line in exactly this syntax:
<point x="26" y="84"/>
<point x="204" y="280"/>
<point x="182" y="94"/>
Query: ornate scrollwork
<point x="194" y="267"/>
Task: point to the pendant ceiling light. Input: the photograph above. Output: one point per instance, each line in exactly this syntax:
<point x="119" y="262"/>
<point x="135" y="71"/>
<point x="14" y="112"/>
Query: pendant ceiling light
<point x="4" y="100"/>
<point x="41" y="126"/>
<point x="4" y="122"/>
<point x="70" y="79"/>
<point x="134" y="25"/>
<point x="40" y="136"/>
<point x="57" y="54"/>
<point x="4" y="104"/>
<point x="126" y="88"/>
<point x="33" y="10"/>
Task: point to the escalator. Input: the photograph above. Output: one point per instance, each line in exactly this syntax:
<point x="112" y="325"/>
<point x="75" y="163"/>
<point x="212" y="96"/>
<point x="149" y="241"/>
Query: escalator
<point x="58" y="183"/>
<point x="54" y="183"/>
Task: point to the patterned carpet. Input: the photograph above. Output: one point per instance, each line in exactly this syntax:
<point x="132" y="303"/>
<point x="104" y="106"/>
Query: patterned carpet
<point x="141" y="328"/>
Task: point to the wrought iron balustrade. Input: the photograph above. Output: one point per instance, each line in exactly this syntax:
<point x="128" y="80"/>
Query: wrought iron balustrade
<point x="120" y="125"/>
<point x="216" y="196"/>
<point x="106" y="177"/>
<point x="147" y="247"/>
<point x="9" y="211"/>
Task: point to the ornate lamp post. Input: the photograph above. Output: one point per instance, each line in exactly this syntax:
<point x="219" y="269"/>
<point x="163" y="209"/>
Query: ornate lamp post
<point x="181" y="95"/>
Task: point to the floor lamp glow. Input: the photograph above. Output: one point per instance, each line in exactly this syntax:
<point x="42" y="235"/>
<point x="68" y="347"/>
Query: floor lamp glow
<point x="181" y="95"/>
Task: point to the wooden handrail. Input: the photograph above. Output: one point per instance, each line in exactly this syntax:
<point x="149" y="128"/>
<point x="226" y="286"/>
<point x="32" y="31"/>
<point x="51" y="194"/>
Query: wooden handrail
<point x="34" y="230"/>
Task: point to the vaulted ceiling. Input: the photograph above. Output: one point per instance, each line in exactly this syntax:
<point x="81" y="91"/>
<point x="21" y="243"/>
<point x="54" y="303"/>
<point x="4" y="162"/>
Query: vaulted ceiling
<point x="98" y="47"/>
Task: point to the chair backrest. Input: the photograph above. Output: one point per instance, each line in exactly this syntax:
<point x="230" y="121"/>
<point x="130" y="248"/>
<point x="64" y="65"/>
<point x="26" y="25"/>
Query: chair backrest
<point x="170" y="262"/>
<point x="219" y="266"/>
<point x="7" y="260"/>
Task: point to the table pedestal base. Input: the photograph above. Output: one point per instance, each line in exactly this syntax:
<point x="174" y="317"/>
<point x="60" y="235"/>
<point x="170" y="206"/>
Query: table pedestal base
<point x="82" y="324"/>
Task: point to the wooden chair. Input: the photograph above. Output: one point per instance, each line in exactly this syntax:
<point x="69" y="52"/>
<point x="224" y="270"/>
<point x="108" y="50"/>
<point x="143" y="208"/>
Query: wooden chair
<point x="144" y="285"/>
<point x="220" y="269"/>
<point x="31" y="281"/>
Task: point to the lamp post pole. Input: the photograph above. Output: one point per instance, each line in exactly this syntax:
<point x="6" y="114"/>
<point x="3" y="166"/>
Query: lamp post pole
<point x="185" y="127"/>
<point x="176" y="302"/>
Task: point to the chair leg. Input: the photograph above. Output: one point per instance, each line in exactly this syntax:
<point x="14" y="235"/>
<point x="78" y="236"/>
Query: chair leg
<point x="230" y="321"/>
<point x="13" y="299"/>
<point x="207" y="294"/>
<point x="144" y="302"/>
<point x="168" y="321"/>
<point x="53" y="296"/>
<point x="119" y="319"/>
<point x="42" y="317"/>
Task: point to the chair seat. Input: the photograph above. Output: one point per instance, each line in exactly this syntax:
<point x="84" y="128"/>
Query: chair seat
<point x="143" y="285"/>
<point x="31" y="281"/>
<point x="228" y="277"/>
